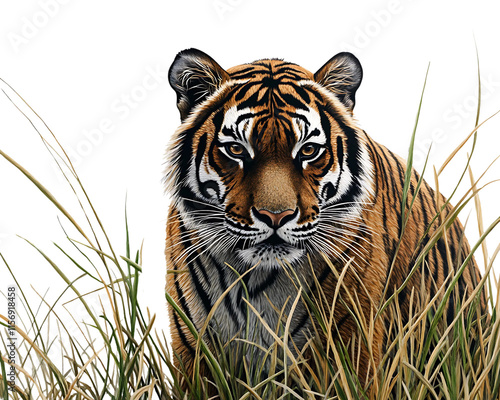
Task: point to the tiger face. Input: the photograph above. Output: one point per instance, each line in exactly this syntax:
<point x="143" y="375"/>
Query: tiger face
<point x="268" y="164"/>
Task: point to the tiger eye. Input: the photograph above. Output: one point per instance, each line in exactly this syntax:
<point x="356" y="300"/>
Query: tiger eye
<point x="236" y="149"/>
<point x="308" y="150"/>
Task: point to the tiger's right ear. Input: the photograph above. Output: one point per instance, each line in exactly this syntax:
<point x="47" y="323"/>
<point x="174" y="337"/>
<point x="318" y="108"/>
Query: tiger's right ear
<point x="194" y="76"/>
<point x="341" y="75"/>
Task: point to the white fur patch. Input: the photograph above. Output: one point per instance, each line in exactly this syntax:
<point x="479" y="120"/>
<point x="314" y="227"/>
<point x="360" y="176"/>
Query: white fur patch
<point x="301" y="130"/>
<point x="241" y="130"/>
<point x="271" y="256"/>
<point x="202" y="174"/>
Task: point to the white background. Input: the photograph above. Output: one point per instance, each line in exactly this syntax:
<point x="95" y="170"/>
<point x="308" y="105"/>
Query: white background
<point x="76" y="63"/>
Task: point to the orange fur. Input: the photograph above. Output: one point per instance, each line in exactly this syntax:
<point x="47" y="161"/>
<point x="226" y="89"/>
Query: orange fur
<point x="276" y="183"/>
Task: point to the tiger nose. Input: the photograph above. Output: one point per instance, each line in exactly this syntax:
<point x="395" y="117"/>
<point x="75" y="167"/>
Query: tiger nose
<point x="275" y="219"/>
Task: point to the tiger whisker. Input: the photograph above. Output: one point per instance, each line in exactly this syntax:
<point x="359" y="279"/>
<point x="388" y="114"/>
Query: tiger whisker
<point x="198" y="246"/>
<point x="219" y="208"/>
<point x="349" y="232"/>
<point x="329" y="245"/>
<point x="319" y="244"/>
<point x="333" y="222"/>
<point x="348" y="245"/>
<point x="198" y="213"/>
<point x="344" y="232"/>
<point x="335" y="207"/>
<point x="211" y="232"/>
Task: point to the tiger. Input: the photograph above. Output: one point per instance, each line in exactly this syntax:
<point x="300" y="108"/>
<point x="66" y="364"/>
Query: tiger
<point x="269" y="168"/>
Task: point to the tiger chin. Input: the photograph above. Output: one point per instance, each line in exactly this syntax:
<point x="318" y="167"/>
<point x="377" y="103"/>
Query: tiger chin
<point x="270" y="172"/>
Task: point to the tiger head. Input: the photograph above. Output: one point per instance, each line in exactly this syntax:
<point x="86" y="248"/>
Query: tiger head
<point x="268" y="163"/>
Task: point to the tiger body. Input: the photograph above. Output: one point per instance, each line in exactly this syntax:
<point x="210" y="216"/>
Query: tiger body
<point x="269" y="168"/>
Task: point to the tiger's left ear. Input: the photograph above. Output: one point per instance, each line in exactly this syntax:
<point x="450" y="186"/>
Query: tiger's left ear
<point x="342" y="75"/>
<point x="194" y="76"/>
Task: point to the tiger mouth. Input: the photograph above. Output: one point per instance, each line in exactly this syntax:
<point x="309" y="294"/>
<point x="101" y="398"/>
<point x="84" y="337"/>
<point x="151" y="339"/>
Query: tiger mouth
<point x="270" y="252"/>
<point x="272" y="242"/>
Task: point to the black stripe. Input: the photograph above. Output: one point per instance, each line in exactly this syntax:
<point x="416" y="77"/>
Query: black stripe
<point x="303" y="94"/>
<point x="205" y="299"/>
<point x="227" y="301"/>
<point x="423" y="207"/>
<point x="395" y="194"/>
<point x="435" y="265"/>
<point x="242" y="90"/>
<point x="180" y="294"/>
<point x="204" y="186"/>
<point x="377" y="163"/>
<point x="380" y="170"/>
<point x="462" y="287"/>
<point x="186" y="137"/>
<point x="303" y="118"/>
<point x="450" y="312"/>
<point x="182" y="336"/>
<point x="281" y="76"/>
<point x="240" y="226"/>
<point x="245" y="72"/>
<point x="326" y="272"/>
<point x="401" y="174"/>
<point x="328" y="191"/>
<point x="340" y="153"/>
<point x="352" y="154"/>
<point x="340" y="322"/>
<point x="314" y="93"/>
<point x="387" y="237"/>
<point x="253" y="101"/>
<point x="293" y="101"/>
<point x="441" y="246"/>
<point x="403" y="295"/>
<point x="231" y="133"/>
<point x="325" y="123"/>
<point x="301" y="324"/>
<point x="454" y="241"/>
<point x="268" y="281"/>
<point x="245" y="116"/>
<point x="343" y="319"/>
